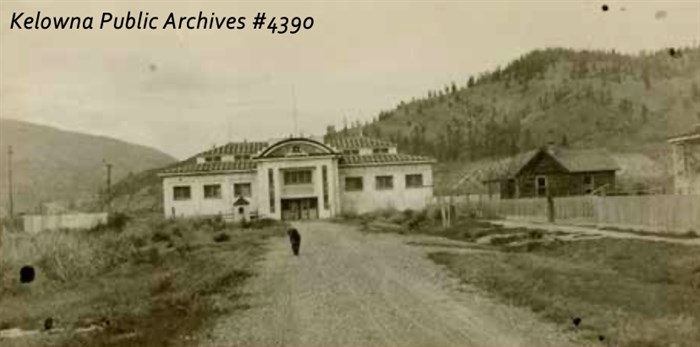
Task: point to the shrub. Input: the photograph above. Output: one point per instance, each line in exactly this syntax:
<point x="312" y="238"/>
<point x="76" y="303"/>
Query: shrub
<point x="691" y="234"/>
<point x="117" y="221"/>
<point x="222" y="237"/>
<point x="160" y="236"/>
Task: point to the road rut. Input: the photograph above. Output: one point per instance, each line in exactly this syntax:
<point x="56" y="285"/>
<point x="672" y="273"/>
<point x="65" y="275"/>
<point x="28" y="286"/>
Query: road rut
<point x="348" y="288"/>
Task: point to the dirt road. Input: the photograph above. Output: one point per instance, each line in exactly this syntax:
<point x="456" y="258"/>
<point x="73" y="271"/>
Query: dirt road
<point x="353" y="289"/>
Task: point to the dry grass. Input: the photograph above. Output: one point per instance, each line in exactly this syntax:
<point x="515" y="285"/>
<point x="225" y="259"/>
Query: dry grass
<point x="156" y="281"/>
<point x="633" y="293"/>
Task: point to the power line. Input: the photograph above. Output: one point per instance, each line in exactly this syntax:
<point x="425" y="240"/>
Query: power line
<point x="109" y="187"/>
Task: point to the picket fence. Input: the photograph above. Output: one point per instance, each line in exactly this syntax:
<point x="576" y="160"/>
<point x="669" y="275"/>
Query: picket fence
<point x="658" y="213"/>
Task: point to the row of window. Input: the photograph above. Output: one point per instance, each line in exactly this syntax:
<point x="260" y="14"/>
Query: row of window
<point x="353" y="184"/>
<point x="212" y="191"/>
<point x="237" y="157"/>
<point x="297" y="177"/>
<point x="374" y="150"/>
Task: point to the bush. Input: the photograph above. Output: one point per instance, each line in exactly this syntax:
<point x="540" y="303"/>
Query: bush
<point x="691" y="234"/>
<point x="222" y="237"/>
<point x="117" y="221"/>
<point x="160" y="236"/>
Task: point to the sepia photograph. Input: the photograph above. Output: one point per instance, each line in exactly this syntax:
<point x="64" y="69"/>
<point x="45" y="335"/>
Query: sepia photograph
<point x="447" y="173"/>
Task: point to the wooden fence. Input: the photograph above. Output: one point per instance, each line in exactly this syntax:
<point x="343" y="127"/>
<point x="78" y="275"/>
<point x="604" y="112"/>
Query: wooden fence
<point x="659" y="213"/>
<point x="39" y="223"/>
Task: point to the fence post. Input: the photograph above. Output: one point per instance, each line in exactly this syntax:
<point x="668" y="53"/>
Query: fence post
<point x="550" y="208"/>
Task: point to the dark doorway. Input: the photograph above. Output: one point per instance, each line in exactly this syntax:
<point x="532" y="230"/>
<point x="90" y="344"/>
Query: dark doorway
<point x="296" y="209"/>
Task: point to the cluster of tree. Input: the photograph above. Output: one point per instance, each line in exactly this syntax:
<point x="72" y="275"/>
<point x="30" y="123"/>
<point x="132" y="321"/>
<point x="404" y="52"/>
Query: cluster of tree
<point x="487" y="117"/>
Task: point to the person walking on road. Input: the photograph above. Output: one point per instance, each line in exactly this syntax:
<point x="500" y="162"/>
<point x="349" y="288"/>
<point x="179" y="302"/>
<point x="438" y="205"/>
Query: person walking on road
<point x="294" y="239"/>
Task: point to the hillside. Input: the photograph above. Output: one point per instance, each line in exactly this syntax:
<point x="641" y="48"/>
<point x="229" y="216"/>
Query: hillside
<point x="575" y="98"/>
<point x="50" y="164"/>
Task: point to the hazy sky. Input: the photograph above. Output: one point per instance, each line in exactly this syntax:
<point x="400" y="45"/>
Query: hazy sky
<point x="182" y="91"/>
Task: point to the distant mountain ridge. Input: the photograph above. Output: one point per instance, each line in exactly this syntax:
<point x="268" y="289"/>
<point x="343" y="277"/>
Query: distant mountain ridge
<point x="583" y="99"/>
<point x="51" y="165"/>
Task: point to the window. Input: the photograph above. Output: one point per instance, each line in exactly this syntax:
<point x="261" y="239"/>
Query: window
<point x="297" y="177"/>
<point x="384" y="182"/>
<point x="541" y="185"/>
<point x="211" y="159"/>
<point x="212" y="191"/>
<point x="353" y="184"/>
<point x="296" y="149"/>
<point x="351" y="151"/>
<point x="271" y="183"/>
<point x="242" y="189"/>
<point x="326" y="199"/>
<point x="588" y="184"/>
<point x="380" y="150"/>
<point x="182" y="193"/>
<point x="414" y="181"/>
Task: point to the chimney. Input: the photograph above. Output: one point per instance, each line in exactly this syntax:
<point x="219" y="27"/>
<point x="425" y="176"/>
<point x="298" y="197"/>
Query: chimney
<point x="551" y="148"/>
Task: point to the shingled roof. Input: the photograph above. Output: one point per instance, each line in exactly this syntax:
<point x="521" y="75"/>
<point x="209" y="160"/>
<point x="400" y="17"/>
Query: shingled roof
<point x="383" y="158"/>
<point x="572" y="160"/>
<point x="354" y="142"/>
<point x="582" y="160"/>
<point x="236" y="148"/>
<point x="210" y="167"/>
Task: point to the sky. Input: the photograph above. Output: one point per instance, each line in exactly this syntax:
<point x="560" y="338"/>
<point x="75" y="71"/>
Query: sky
<point x="182" y="91"/>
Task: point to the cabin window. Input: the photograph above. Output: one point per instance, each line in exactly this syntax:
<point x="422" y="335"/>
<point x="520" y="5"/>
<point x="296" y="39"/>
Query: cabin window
<point x="588" y="184"/>
<point x="351" y="151"/>
<point x="380" y="150"/>
<point x="541" y="185"/>
<point x="242" y="189"/>
<point x="353" y="184"/>
<point x="297" y="177"/>
<point x="384" y="182"/>
<point x="212" y="191"/>
<point x="182" y="193"/>
<point x="414" y="181"/>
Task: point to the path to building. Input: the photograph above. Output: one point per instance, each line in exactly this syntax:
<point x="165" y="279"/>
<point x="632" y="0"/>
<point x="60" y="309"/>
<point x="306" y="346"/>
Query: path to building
<point x="594" y="231"/>
<point x="349" y="288"/>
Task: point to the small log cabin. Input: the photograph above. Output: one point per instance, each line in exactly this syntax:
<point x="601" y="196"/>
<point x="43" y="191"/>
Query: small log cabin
<point x="556" y="172"/>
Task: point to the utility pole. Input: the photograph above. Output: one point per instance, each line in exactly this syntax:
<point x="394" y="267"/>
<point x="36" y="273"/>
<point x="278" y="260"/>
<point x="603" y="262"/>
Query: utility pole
<point x="109" y="187"/>
<point x="9" y="181"/>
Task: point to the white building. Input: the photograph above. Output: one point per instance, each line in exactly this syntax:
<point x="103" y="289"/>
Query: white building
<point x="297" y="178"/>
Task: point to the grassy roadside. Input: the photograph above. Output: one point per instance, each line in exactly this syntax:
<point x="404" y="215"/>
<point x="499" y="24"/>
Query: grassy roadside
<point x="146" y="282"/>
<point x="626" y="292"/>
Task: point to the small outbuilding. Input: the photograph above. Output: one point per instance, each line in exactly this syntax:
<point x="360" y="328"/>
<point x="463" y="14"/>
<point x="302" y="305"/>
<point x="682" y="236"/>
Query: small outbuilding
<point x="554" y="171"/>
